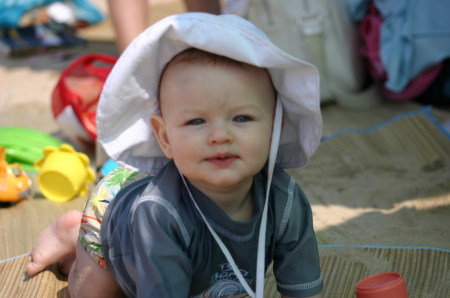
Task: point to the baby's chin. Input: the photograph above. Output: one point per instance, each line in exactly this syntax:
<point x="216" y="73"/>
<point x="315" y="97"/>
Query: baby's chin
<point x="220" y="182"/>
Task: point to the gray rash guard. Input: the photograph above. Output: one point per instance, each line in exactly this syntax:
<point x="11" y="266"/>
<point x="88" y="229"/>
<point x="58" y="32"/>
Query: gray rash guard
<point x="156" y="244"/>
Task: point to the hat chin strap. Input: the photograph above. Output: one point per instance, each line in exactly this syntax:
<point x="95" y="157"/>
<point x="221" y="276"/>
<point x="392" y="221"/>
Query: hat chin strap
<point x="260" y="266"/>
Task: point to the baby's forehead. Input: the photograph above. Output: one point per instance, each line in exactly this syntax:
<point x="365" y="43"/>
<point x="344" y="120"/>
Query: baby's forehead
<point x="201" y="60"/>
<point x="198" y="69"/>
<point x="196" y="56"/>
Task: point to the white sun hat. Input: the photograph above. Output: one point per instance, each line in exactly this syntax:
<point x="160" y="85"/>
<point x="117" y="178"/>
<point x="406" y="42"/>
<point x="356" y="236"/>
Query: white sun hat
<point x="129" y="97"/>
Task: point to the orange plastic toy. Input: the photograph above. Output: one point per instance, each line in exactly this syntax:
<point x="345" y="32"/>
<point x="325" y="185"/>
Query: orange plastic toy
<point x="14" y="183"/>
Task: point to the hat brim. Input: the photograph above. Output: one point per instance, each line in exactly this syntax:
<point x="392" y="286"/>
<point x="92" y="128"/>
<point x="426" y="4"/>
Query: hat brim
<point x="129" y="97"/>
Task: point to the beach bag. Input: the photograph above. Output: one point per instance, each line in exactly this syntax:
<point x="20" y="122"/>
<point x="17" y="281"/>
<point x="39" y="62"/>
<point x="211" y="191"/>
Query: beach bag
<point x="320" y="32"/>
<point x="370" y="30"/>
<point x="414" y="40"/>
<point x="75" y="96"/>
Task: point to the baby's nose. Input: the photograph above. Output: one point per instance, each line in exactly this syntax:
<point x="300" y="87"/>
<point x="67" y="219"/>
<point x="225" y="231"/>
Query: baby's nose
<point x="220" y="134"/>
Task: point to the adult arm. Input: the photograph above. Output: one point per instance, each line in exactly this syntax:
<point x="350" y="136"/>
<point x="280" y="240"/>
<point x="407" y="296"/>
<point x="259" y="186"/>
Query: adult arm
<point x="129" y="19"/>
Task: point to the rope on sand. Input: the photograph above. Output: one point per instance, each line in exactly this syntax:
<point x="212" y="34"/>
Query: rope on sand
<point x="381" y="246"/>
<point x="320" y="245"/>
<point x="13" y="258"/>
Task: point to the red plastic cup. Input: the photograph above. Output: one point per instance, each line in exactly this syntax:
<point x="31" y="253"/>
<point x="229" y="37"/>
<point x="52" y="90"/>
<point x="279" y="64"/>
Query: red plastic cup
<point x="384" y="285"/>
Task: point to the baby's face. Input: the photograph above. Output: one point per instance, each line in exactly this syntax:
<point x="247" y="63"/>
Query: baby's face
<point x="217" y="121"/>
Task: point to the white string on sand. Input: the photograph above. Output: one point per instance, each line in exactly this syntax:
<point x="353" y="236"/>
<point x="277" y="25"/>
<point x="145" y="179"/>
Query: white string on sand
<point x="383" y="247"/>
<point x="13" y="258"/>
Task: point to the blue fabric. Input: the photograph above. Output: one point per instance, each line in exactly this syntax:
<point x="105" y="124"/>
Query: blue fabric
<point x="108" y="167"/>
<point x="415" y="35"/>
<point x="12" y="10"/>
<point x="85" y="11"/>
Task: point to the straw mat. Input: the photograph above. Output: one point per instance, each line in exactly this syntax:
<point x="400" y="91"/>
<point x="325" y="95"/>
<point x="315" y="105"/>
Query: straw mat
<point x="415" y="134"/>
<point x="426" y="272"/>
<point x="385" y="185"/>
<point x="400" y="227"/>
<point x="16" y="283"/>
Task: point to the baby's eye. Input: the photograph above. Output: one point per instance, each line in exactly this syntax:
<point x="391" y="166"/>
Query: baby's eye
<point x="241" y="119"/>
<point x="196" y="122"/>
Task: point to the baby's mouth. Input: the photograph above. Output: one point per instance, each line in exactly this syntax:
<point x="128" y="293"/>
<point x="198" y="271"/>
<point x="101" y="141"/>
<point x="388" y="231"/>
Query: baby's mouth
<point x="222" y="159"/>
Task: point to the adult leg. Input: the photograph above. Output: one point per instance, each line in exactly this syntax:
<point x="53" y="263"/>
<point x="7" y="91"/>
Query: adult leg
<point x="210" y="6"/>
<point x="129" y="19"/>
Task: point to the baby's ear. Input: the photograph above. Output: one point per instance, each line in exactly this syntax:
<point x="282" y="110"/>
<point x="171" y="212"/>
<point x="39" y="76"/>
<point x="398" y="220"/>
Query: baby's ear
<point x="159" y="129"/>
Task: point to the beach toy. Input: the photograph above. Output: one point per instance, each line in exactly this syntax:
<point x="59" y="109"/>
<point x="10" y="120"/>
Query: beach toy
<point x="384" y="285"/>
<point x="24" y="145"/>
<point x="14" y="183"/>
<point x="108" y="167"/>
<point x="63" y="173"/>
<point x="75" y="97"/>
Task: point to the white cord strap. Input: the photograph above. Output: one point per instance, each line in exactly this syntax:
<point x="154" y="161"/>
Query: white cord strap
<point x="276" y="133"/>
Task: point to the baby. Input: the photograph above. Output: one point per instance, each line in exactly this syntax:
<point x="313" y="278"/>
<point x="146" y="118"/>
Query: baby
<point x="212" y="107"/>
